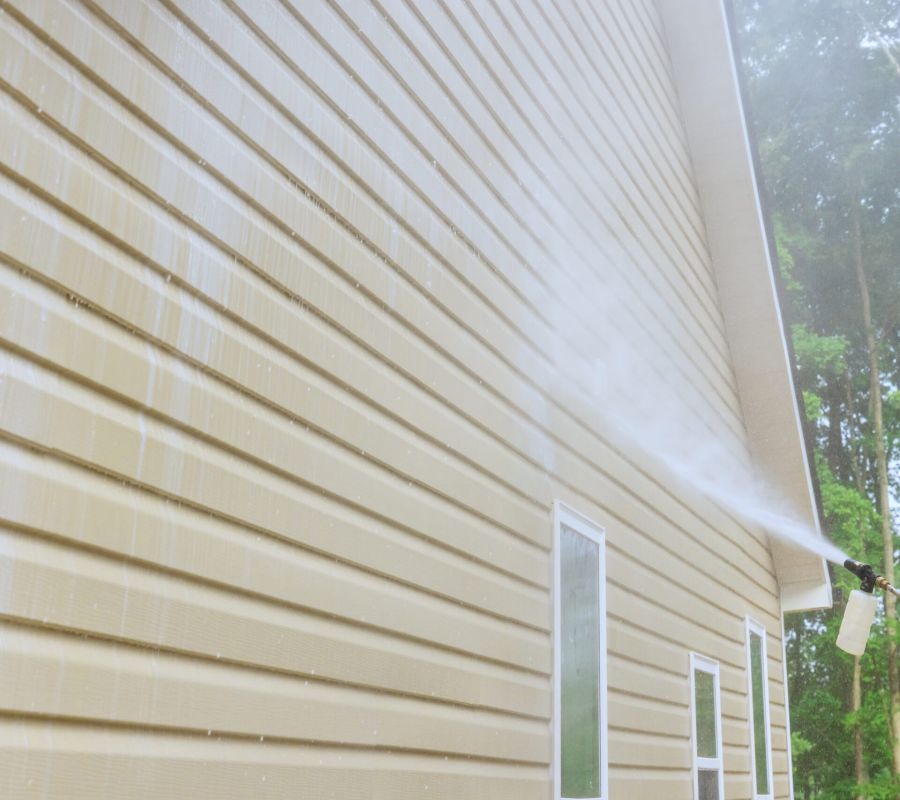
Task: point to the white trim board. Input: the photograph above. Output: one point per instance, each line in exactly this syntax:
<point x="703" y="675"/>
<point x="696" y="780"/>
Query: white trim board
<point x="704" y="73"/>
<point x="787" y="711"/>
<point x="703" y="664"/>
<point x="752" y="626"/>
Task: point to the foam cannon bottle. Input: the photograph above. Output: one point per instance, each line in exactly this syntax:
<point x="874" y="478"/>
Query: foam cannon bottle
<point x="861" y="607"/>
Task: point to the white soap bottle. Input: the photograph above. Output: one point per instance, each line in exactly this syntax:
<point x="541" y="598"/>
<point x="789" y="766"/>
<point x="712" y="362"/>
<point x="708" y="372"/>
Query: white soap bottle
<point x="857" y="621"/>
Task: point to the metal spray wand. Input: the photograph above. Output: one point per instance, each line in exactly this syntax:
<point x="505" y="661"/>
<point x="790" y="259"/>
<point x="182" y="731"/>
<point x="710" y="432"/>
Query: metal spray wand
<point x="868" y="577"/>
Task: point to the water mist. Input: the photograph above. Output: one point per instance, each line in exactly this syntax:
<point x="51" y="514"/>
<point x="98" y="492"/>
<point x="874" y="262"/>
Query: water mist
<point x="655" y="401"/>
<point x="627" y="346"/>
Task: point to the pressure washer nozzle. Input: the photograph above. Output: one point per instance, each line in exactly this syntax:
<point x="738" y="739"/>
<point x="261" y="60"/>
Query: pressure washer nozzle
<point x="868" y="578"/>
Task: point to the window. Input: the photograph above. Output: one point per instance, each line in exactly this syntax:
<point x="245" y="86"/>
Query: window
<point x="579" y="674"/>
<point x="706" y="728"/>
<point x="758" y="702"/>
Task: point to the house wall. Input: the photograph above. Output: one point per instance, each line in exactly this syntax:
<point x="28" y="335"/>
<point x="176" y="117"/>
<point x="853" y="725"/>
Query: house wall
<point x="295" y="355"/>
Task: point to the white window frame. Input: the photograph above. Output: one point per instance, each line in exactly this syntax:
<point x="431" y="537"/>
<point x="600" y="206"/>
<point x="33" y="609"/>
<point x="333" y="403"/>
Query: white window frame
<point x="787" y="710"/>
<point x="752" y="626"/>
<point x="563" y="515"/>
<point x="703" y="664"/>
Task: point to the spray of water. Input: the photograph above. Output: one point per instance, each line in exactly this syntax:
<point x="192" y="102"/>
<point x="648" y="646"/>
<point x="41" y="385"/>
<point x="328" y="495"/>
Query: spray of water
<point x="711" y="464"/>
<point x="756" y="504"/>
<point x="658" y="395"/>
<point x="631" y="319"/>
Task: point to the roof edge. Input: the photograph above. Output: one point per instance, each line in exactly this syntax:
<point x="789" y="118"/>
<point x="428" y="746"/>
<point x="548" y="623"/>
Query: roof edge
<point x="701" y="48"/>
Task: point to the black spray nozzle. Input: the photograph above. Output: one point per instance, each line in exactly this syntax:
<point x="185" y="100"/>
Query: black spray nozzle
<point x="868" y="578"/>
<point x="865" y="573"/>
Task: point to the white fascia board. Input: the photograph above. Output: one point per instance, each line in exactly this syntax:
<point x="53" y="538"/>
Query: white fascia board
<point x="703" y="68"/>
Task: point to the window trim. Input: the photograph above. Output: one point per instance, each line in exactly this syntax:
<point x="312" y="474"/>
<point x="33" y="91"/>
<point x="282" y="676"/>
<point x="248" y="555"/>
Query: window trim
<point x="752" y="626"/>
<point x="787" y="710"/>
<point x="564" y="515"/>
<point x="710" y="666"/>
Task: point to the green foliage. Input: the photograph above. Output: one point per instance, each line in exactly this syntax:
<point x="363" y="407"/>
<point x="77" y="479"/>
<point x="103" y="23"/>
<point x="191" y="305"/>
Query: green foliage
<point x="850" y="519"/>
<point x="812" y="407"/>
<point x="892" y="402"/>
<point x="820" y="359"/>
<point x="800" y="746"/>
<point x="892" y="432"/>
<point x="784" y="247"/>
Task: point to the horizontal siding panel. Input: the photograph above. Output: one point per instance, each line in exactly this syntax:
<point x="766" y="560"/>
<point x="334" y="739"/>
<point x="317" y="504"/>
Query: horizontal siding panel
<point x="639" y="124"/>
<point x="734" y="701"/>
<point x="687" y="592"/>
<point x="776" y="688"/>
<point x="498" y="103"/>
<point x="630" y="712"/>
<point x="364" y="277"/>
<point x="738" y="787"/>
<point x="139" y="687"/>
<point x="539" y="63"/>
<point x="97" y="511"/>
<point x="607" y="78"/>
<point x="779" y="739"/>
<point x="151" y="166"/>
<point x="612" y="497"/>
<point x="667" y="652"/>
<point x="264" y="312"/>
<point x="777" y="714"/>
<point x="780" y="764"/>
<point x="649" y="68"/>
<point x="191" y="399"/>
<point x="646" y="681"/>
<point x="87" y="426"/>
<point x="636" y="749"/>
<point x="642" y="114"/>
<point x="736" y="760"/>
<point x="641" y="28"/>
<point x="625" y="638"/>
<point x="736" y="737"/>
<point x="65" y="760"/>
<point x="646" y="784"/>
<point x="234" y="43"/>
<point x="319" y="16"/>
<point x="222" y="412"/>
<point x="328" y="291"/>
<point x="646" y="617"/>
<point x="572" y="291"/>
<point x="542" y="102"/>
<point x="66" y="588"/>
<point x="137" y="447"/>
<point x="254" y="238"/>
<point x="281" y="199"/>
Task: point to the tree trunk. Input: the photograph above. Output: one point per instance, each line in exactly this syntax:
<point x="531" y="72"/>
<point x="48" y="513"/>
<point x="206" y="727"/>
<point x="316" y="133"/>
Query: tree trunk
<point x="856" y="466"/>
<point x="887" y="533"/>
<point x="836" y="453"/>
<point x="859" y="761"/>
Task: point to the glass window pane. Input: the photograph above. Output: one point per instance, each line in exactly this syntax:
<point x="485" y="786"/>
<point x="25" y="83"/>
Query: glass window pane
<point x="580" y="664"/>
<point x="705" y="709"/>
<point x="757" y="674"/>
<point x="708" y="783"/>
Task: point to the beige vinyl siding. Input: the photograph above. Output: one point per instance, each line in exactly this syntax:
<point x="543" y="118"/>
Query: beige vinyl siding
<point x="279" y="429"/>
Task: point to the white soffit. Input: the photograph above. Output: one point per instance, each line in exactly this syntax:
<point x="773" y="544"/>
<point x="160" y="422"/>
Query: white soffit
<point x="705" y="77"/>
